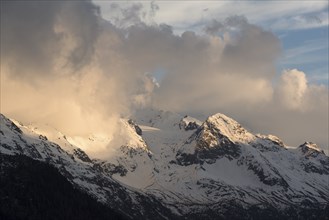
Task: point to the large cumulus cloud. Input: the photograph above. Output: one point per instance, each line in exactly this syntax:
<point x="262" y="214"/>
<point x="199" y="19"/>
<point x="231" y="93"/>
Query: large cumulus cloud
<point x="80" y="73"/>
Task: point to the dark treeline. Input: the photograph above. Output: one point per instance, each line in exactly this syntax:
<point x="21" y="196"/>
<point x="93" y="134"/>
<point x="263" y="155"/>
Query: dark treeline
<point x="30" y="189"/>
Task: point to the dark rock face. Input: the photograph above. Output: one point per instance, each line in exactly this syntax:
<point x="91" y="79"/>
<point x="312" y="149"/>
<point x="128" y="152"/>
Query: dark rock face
<point x="185" y="159"/>
<point x="312" y="154"/>
<point x="273" y="145"/>
<point x="188" y="125"/>
<point x="205" y="150"/>
<point x="10" y="124"/>
<point x="310" y="149"/>
<point x="225" y="148"/>
<point x="208" y="155"/>
<point x="135" y="126"/>
<point x="81" y="155"/>
<point x="310" y="167"/>
<point x="191" y="126"/>
<point x="270" y="177"/>
<point x="42" y="137"/>
<point x="113" y="169"/>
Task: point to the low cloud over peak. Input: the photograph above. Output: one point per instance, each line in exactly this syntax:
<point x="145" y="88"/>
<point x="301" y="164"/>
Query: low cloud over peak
<point x="80" y="73"/>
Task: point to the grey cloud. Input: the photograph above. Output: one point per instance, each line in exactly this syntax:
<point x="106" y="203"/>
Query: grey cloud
<point x="82" y="19"/>
<point x="126" y="16"/>
<point x="215" y="27"/>
<point x="312" y="19"/>
<point x="132" y="14"/>
<point x="29" y="37"/>
<point x="255" y="50"/>
<point x="217" y="71"/>
<point x="230" y="72"/>
<point x="154" y="8"/>
<point x="236" y="21"/>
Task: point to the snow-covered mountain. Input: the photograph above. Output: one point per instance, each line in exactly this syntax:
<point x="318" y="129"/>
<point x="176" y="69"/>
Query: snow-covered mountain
<point x="172" y="166"/>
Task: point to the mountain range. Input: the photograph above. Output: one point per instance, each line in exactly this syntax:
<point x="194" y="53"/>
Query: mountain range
<point x="165" y="166"/>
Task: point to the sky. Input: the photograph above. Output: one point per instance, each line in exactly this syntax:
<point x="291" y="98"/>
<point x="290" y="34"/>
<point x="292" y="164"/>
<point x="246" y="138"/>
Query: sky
<point x="302" y="26"/>
<point x="80" y="66"/>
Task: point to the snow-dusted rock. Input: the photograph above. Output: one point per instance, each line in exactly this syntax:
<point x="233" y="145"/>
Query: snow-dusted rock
<point x="165" y="167"/>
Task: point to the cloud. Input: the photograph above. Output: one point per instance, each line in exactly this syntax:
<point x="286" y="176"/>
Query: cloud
<point x="298" y="111"/>
<point x="295" y="92"/>
<point x="63" y="65"/>
<point x="302" y="21"/>
<point x="293" y="88"/>
<point x="34" y="34"/>
<point x="81" y="73"/>
<point x="124" y="14"/>
<point x="233" y="72"/>
<point x="268" y="14"/>
<point x="215" y="27"/>
<point x="236" y="68"/>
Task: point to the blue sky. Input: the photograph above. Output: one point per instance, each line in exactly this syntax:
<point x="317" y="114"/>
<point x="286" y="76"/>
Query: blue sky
<point x="307" y="50"/>
<point x="302" y="26"/>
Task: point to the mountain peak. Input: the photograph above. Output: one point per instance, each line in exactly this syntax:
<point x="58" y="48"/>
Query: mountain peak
<point x="309" y="148"/>
<point x="189" y="123"/>
<point x="228" y="127"/>
<point x="8" y="123"/>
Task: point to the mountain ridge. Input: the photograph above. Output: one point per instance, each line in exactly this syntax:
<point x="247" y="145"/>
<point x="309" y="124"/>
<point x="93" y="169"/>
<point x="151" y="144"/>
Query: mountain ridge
<point x="188" y="172"/>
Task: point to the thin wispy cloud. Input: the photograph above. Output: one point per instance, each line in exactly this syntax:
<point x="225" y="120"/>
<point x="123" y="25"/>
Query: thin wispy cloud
<point x="307" y="47"/>
<point x="291" y="14"/>
<point x="303" y="21"/>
